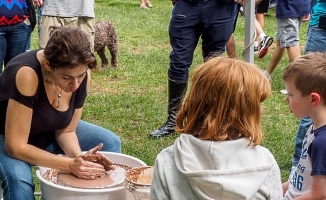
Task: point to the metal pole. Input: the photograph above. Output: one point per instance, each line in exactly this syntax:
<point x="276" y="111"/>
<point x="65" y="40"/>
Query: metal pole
<point x="249" y="10"/>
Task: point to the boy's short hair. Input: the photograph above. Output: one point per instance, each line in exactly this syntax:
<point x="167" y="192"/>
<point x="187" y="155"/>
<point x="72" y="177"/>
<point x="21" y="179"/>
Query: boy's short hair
<point x="309" y="73"/>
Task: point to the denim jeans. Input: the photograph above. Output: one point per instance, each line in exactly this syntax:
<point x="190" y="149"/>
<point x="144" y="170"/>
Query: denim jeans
<point x="13" y="41"/>
<point x="316" y="40"/>
<point x="39" y="16"/>
<point x="16" y="175"/>
<point x="210" y="20"/>
<point x="304" y="125"/>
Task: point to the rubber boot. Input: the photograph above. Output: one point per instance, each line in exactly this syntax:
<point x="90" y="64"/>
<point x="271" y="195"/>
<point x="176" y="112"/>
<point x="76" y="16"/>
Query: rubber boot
<point x="176" y="93"/>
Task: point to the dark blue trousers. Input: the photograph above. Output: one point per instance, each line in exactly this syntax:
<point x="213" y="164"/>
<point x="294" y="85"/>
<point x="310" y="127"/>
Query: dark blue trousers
<point x="212" y="20"/>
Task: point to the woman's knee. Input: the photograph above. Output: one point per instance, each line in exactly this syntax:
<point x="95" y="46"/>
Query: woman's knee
<point x="90" y="135"/>
<point x="17" y="180"/>
<point x="113" y="143"/>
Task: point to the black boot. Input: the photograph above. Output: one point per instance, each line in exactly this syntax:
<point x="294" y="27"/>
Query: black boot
<point x="176" y="92"/>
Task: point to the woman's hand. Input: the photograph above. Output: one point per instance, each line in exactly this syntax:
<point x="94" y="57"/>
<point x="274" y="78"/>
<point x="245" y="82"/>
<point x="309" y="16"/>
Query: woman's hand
<point x="86" y="169"/>
<point x="94" y="156"/>
<point x="91" y="165"/>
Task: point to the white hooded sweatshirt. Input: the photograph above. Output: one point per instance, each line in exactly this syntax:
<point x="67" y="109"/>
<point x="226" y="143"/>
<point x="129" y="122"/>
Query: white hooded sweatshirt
<point x="229" y="170"/>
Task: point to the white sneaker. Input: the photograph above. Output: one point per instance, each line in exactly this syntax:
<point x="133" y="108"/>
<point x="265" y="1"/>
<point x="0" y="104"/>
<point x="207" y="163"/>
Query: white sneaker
<point x="284" y="92"/>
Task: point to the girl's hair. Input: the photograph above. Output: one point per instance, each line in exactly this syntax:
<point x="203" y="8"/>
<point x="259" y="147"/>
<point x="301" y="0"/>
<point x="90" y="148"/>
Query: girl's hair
<point x="68" y="48"/>
<point x="309" y="73"/>
<point x="223" y="102"/>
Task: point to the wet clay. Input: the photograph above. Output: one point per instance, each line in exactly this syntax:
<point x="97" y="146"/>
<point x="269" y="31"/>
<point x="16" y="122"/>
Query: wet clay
<point x="141" y="175"/>
<point x="70" y="180"/>
<point x="110" y="179"/>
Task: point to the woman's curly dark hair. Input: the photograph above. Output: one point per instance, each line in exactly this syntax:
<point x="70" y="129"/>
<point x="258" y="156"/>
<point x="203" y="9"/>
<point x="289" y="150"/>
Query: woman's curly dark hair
<point x="69" y="47"/>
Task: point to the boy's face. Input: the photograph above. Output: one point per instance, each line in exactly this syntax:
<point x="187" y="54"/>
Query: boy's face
<point x="298" y="104"/>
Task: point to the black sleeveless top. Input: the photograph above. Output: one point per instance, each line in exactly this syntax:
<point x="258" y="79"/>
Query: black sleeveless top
<point x="45" y="119"/>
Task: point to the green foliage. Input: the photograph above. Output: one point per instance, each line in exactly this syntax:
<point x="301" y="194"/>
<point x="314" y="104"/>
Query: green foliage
<point x="132" y="100"/>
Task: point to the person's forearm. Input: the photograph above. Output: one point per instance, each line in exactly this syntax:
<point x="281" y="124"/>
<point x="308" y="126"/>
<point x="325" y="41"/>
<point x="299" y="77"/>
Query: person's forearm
<point x="36" y="156"/>
<point x="69" y="144"/>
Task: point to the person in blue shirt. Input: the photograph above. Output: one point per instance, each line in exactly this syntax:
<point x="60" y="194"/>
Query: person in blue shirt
<point x="289" y="16"/>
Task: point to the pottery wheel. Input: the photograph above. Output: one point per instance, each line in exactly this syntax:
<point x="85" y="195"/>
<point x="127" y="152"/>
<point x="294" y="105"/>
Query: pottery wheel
<point x="112" y="178"/>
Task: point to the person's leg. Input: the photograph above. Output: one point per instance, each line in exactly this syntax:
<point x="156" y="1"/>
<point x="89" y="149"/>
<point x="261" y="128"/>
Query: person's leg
<point x="217" y="26"/>
<point x="230" y="47"/>
<point x="15" y="175"/>
<point x="28" y="41"/>
<point x="39" y="16"/>
<point x="293" y="53"/>
<point x="142" y="4"/>
<point x="261" y="19"/>
<point x="3" y="45"/>
<point x="148" y="4"/>
<point x="281" y="39"/>
<point x="260" y="13"/>
<point x="90" y="135"/>
<point x="276" y="58"/>
<point x="184" y="34"/>
<point x="261" y="10"/>
<point x="87" y="24"/>
<point x="265" y="41"/>
<point x="46" y="23"/>
<point x="293" y="38"/>
<point x="16" y="40"/>
<point x="316" y="40"/>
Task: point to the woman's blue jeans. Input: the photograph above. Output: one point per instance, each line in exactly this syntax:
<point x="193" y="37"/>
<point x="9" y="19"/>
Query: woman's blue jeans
<point x="13" y="41"/>
<point x="16" y="175"/>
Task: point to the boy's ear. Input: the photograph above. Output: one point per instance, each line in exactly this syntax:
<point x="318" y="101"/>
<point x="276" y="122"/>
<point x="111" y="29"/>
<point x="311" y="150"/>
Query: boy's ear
<point x="315" y="99"/>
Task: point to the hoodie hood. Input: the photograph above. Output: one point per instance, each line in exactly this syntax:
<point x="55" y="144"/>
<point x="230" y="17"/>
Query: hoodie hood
<point x="225" y="169"/>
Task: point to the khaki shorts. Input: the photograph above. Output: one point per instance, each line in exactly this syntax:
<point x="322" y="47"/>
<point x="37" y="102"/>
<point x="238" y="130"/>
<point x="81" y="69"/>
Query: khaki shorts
<point x="288" y="31"/>
<point x="86" y="24"/>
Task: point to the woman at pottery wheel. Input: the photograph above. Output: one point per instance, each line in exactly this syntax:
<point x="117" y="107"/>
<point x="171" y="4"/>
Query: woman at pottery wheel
<point x="42" y="94"/>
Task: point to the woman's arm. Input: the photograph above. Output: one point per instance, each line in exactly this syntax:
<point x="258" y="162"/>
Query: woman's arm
<point x="18" y="124"/>
<point x="67" y="138"/>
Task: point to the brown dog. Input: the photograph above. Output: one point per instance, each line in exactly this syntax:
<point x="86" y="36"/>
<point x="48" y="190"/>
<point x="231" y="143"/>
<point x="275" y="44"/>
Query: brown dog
<point x="106" y="36"/>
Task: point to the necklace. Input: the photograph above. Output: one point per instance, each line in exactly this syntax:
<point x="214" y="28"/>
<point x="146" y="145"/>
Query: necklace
<point x="58" y="94"/>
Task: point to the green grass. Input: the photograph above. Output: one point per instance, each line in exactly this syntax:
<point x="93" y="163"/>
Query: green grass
<point x="132" y="100"/>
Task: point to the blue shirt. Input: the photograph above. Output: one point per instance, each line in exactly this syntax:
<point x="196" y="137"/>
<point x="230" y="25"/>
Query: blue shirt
<point x="318" y="10"/>
<point x="292" y="8"/>
<point x="317" y="151"/>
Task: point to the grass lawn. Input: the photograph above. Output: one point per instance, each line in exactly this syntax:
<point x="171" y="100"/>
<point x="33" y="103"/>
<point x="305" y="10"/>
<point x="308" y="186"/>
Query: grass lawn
<point x="132" y="100"/>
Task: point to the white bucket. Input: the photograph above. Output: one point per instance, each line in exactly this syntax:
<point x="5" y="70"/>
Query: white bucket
<point x="51" y="191"/>
<point x="139" y="180"/>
